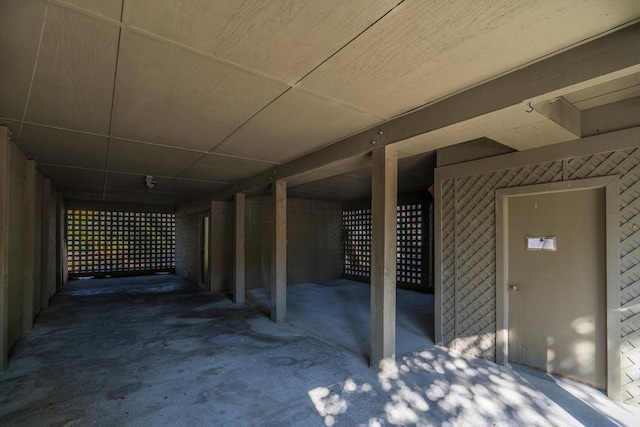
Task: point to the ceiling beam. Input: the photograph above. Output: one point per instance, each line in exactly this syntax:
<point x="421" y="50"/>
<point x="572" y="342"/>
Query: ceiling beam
<point x="561" y="112"/>
<point x="610" y="54"/>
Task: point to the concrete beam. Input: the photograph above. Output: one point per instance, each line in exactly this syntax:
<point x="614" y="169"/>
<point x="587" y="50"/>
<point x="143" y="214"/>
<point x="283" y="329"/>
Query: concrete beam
<point x="611" y="55"/>
<point x="5" y="174"/>
<point x="239" y="241"/>
<point x="383" y="259"/>
<point x="279" y="253"/>
<point x="561" y="112"/>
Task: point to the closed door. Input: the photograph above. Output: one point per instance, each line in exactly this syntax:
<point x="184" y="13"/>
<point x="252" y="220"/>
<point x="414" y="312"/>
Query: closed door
<point x="557" y="305"/>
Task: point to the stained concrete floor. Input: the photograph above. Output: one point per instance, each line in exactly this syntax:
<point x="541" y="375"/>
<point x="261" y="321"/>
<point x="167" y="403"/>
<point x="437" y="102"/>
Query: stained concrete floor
<point x="153" y="351"/>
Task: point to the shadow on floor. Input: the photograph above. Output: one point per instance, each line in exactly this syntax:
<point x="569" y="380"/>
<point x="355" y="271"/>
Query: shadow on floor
<point x="161" y="351"/>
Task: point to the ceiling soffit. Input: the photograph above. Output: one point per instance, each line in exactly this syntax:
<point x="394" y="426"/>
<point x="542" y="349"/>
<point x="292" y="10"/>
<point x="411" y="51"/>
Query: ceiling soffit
<point x="72" y="86"/>
<point x="294" y="124"/>
<point x="174" y="97"/>
<point x="218" y="91"/>
<point x="278" y="38"/>
<point x="424" y="51"/>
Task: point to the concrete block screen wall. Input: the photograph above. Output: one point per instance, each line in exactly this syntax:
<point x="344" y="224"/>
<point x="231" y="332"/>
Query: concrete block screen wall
<point x="105" y="242"/>
<point x="465" y="218"/>
<point x="414" y="242"/>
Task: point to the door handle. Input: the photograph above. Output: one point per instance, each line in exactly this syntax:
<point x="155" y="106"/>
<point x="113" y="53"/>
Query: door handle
<point x="514" y="288"/>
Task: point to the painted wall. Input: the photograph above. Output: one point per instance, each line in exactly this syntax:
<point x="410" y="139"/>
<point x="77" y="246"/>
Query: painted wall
<point x="314" y="234"/>
<point x="466" y="238"/>
<point x="49" y="242"/>
<point x="221" y="247"/>
<point x="24" y="207"/>
<point x="187" y="241"/>
<point x="16" y="241"/>
<point x="314" y="241"/>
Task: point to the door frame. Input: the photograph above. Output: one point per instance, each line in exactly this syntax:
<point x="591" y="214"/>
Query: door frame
<point x="612" y="265"/>
<point x="204" y="250"/>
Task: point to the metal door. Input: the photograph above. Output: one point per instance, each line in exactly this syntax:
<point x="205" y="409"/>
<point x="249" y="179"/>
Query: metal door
<point x="557" y="305"/>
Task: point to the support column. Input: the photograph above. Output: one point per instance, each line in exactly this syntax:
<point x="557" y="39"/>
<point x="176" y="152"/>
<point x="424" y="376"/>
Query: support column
<point x="383" y="259"/>
<point x="60" y="232"/>
<point x="31" y="288"/>
<point x="4" y="247"/>
<point x="46" y="226"/>
<point x="239" y="259"/>
<point x="279" y="253"/>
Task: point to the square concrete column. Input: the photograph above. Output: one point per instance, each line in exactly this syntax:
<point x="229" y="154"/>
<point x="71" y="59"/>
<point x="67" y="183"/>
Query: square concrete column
<point x="383" y="259"/>
<point x="279" y="253"/>
<point x="5" y="175"/>
<point x="31" y="306"/>
<point x="239" y="258"/>
<point x="46" y="229"/>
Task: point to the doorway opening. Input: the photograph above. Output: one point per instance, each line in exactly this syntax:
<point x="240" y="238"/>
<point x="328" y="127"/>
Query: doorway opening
<point x="205" y="259"/>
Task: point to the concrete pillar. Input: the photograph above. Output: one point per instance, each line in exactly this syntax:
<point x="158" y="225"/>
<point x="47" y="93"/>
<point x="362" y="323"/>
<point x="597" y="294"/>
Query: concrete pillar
<point x="31" y="294"/>
<point x="46" y="226"/>
<point x="60" y="232"/>
<point x="239" y="259"/>
<point x="383" y="259"/>
<point x="279" y="253"/>
<point x="4" y="246"/>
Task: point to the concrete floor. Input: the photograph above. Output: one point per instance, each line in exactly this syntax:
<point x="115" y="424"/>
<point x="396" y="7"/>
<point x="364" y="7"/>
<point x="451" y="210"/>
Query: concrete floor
<point x="152" y="351"/>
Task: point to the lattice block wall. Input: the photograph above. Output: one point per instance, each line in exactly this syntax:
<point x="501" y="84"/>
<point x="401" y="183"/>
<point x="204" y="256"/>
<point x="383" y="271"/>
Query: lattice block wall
<point x="468" y="254"/>
<point x="412" y="252"/>
<point x="102" y="242"/>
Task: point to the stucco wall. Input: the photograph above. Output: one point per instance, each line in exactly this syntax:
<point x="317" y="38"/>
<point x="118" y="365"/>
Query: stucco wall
<point x="314" y="241"/>
<point x="24" y="290"/>
<point x="466" y="238"/>
<point x="187" y="250"/>
<point x="314" y="235"/>
<point x="16" y="241"/>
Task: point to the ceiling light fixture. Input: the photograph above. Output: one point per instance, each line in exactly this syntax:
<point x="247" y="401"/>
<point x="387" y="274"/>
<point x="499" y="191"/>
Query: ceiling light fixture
<point x="149" y="181"/>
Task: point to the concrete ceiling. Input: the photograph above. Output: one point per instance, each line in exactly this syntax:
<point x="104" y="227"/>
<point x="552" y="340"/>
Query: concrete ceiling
<point x="202" y="93"/>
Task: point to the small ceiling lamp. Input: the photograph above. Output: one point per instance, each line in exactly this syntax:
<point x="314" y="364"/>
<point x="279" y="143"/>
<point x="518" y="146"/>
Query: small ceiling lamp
<point x="149" y="181"/>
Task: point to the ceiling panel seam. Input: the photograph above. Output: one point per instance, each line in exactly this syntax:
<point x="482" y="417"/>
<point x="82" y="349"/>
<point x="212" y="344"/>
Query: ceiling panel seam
<point x="128" y="173"/>
<point x="402" y="127"/>
<point x="121" y="34"/>
<point x="324" y="61"/>
<point x="137" y="141"/>
<point x="341" y="102"/>
<point x="81" y="132"/>
<point x="192" y="150"/>
<point x="33" y="74"/>
<point x="522" y="66"/>
<point x="86" y="12"/>
<point x="380" y="18"/>
<point x="206" y="55"/>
